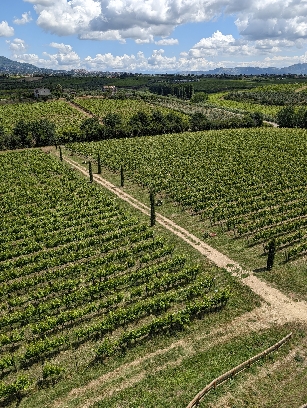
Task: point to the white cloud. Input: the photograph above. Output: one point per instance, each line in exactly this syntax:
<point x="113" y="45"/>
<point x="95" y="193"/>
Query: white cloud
<point x="6" y="30"/>
<point x="63" y="48"/>
<point x="17" y="45"/>
<point x="65" y="56"/>
<point x="144" y="21"/>
<point x="100" y="36"/>
<point x="266" y="30"/>
<point x="64" y="17"/>
<point x="283" y="19"/>
<point x="136" y="19"/>
<point x="25" y="18"/>
<point x="167" y="41"/>
<point x="41" y="2"/>
<point x="156" y="62"/>
<point x="219" y="44"/>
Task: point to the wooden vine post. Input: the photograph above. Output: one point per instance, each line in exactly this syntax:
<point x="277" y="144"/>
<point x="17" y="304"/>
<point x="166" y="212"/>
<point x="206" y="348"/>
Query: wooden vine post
<point x="152" y="208"/>
<point x="122" y="177"/>
<point x="98" y="164"/>
<point x="90" y="171"/>
<point x="271" y="254"/>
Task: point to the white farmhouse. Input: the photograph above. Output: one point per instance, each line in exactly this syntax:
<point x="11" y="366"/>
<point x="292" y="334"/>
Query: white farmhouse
<point x="41" y="92"/>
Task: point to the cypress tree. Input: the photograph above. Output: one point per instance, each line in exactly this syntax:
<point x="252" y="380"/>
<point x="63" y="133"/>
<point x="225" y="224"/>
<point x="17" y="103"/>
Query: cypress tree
<point x="122" y="178"/>
<point x="152" y="208"/>
<point x="61" y="155"/>
<point x="271" y="254"/>
<point x="99" y="164"/>
<point x="90" y="171"/>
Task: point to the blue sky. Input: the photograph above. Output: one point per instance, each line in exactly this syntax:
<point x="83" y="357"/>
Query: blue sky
<point x="154" y="35"/>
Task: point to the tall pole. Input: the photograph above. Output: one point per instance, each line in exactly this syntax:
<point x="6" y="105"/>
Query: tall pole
<point x="90" y="171"/>
<point x="122" y="177"/>
<point x="152" y="208"/>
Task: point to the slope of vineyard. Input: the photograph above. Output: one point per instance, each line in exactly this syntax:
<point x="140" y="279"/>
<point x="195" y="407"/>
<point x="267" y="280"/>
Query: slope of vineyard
<point x="126" y="108"/>
<point x="251" y="182"/>
<point x="81" y="279"/>
<point x="265" y="99"/>
<point x="219" y="99"/>
<point x="63" y="115"/>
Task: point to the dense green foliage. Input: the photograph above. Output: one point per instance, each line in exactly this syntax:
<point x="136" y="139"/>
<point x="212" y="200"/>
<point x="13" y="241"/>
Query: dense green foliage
<point x="64" y="116"/>
<point x="268" y="111"/>
<point x="75" y="268"/>
<point x="35" y="133"/>
<point x="183" y="90"/>
<point x="289" y="117"/>
<point x="199" y="97"/>
<point x="274" y="95"/>
<point x="250" y="181"/>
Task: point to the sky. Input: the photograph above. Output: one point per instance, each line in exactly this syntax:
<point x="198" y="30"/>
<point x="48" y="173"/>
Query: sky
<point x="157" y="36"/>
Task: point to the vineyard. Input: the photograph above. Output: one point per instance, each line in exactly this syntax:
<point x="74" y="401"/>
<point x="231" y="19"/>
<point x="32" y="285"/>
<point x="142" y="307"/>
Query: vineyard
<point x="265" y="99"/>
<point x="82" y="279"/>
<point x="125" y="108"/>
<point x="249" y="183"/>
<point x="64" y="116"/>
<point x="219" y="99"/>
<point x="211" y="112"/>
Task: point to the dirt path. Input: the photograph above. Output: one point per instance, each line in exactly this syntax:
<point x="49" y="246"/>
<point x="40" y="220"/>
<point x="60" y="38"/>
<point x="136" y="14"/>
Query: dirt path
<point x="274" y="124"/>
<point x="75" y="106"/>
<point x="285" y="306"/>
<point x="277" y="309"/>
<point x="84" y="111"/>
<point x="301" y="89"/>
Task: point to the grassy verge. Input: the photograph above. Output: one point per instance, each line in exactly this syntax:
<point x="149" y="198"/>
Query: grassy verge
<point x="279" y="383"/>
<point x="179" y="377"/>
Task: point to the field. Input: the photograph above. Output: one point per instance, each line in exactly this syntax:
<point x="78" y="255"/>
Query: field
<point x="125" y="108"/>
<point x="83" y="280"/>
<point x="267" y="99"/>
<point x="212" y="113"/>
<point x="64" y="116"/>
<point x="244" y="187"/>
<point x="218" y="99"/>
<point x="98" y="309"/>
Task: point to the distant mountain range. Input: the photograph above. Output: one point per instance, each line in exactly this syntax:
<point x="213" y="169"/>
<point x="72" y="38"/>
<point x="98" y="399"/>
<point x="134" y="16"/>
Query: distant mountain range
<point x="14" y="67"/>
<point x="296" y="69"/>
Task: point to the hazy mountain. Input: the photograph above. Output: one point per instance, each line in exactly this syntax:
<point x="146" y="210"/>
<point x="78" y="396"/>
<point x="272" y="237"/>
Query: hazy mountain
<point x="296" y="69"/>
<point x="9" y="66"/>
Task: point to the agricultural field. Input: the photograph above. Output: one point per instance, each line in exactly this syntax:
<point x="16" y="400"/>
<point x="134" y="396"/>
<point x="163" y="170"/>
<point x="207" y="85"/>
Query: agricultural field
<point x="64" y="116"/>
<point x="125" y="108"/>
<point x="218" y="99"/>
<point x="267" y="99"/>
<point x="243" y="188"/>
<point x="212" y="113"/>
<point x="83" y="281"/>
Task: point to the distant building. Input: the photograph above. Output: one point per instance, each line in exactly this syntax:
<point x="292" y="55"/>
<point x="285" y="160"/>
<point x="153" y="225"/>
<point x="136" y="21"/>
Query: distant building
<point x="109" y="88"/>
<point x="41" y="92"/>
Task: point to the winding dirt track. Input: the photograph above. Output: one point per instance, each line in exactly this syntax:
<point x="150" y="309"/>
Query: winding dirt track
<point x="277" y="308"/>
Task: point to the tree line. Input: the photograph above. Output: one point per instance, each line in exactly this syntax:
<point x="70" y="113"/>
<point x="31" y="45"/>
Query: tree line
<point x="182" y="91"/>
<point x="290" y="117"/>
<point x="42" y="132"/>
